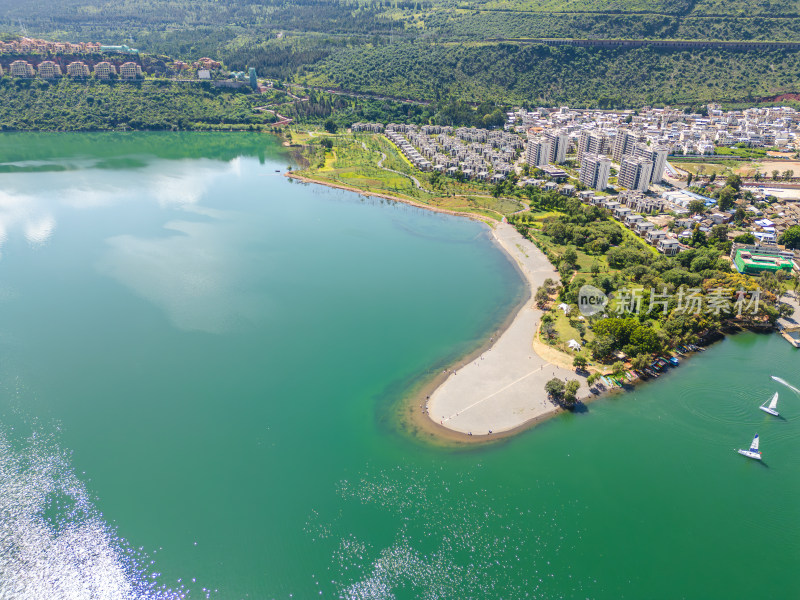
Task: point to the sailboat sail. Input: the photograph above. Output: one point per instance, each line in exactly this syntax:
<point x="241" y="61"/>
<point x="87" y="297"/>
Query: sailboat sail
<point x="774" y="402"/>
<point x="754" y="445"/>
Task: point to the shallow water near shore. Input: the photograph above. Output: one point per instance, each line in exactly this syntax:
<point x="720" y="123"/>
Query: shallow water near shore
<point x="199" y="366"/>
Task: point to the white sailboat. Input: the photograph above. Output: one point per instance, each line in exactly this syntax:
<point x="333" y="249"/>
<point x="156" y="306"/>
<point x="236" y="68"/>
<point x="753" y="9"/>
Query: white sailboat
<point x="772" y="405"/>
<point x="752" y="452"/>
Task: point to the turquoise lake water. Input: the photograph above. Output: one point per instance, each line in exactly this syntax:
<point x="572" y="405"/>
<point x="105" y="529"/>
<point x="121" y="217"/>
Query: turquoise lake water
<point x="200" y="362"/>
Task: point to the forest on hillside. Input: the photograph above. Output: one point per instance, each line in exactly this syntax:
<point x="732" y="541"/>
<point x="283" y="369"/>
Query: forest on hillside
<point x="66" y="105"/>
<point x="445" y="50"/>
<point x="549" y="76"/>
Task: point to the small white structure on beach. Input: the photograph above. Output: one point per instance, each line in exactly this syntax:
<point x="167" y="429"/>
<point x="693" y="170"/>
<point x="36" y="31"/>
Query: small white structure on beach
<point x="564" y="307"/>
<point x="574" y="344"/>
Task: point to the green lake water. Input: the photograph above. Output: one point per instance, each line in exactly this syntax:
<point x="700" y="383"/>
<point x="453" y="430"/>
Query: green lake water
<point x="200" y="363"/>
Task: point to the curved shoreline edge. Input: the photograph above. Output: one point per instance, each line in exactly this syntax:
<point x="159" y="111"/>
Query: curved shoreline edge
<point x="497" y="389"/>
<point x="500" y="389"/>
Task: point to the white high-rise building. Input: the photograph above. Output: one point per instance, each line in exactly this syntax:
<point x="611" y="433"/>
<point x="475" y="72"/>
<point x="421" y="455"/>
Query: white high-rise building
<point x="595" y="169"/>
<point x="593" y="142"/>
<point x="559" y="142"/>
<point x="657" y="156"/>
<point x="634" y="173"/>
<point x="624" y="144"/>
<point x="537" y="154"/>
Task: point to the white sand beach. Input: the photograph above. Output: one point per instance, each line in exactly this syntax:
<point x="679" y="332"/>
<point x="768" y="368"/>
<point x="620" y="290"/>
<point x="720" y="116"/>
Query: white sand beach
<point x="503" y="388"/>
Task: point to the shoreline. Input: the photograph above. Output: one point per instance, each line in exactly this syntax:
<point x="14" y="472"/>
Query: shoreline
<point x="418" y="409"/>
<point x="521" y="324"/>
<point x="498" y="390"/>
<point x="348" y="188"/>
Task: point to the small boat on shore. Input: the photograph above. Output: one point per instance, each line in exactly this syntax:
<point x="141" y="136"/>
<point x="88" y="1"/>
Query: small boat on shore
<point x="771" y="408"/>
<point x="674" y="361"/>
<point x="752" y="452"/>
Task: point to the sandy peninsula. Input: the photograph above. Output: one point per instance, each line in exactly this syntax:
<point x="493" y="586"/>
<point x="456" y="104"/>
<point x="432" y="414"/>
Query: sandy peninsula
<point x="502" y="389"/>
<point x="499" y="389"/>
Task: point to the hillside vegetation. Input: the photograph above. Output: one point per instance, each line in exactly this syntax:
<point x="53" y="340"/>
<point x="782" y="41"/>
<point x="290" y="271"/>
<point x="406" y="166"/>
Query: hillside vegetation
<point x="550" y="76"/>
<point x="474" y="50"/>
<point x="75" y="106"/>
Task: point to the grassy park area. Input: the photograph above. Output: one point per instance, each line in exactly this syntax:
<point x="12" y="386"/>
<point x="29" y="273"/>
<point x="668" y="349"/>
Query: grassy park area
<point x="370" y="163"/>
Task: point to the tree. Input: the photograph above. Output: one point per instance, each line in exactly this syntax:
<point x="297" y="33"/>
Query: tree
<point x="739" y="216"/>
<point x="712" y="178"/>
<point x="579" y="362"/>
<point x="697" y="207"/>
<point x="549" y="330"/>
<point x="689" y="178"/>
<point x="698" y="237"/>
<point x="745" y="238"/>
<point x="791" y="237"/>
<point x="327" y="143"/>
<point x="571" y="393"/>
<point x="569" y="258"/>
<point x="555" y="388"/>
<point x="776" y="174"/>
<point x="330" y="126"/>
<point x="726" y="197"/>
<point x="719" y="233"/>
<point x="640" y="362"/>
<point x="542" y="296"/>
<point x="601" y="346"/>
<point x="734" y="181"/>
<point x="618" y="368"/>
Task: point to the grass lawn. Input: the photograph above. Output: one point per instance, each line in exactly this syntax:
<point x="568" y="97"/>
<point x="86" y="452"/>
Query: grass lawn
<point x="354" y="161"/>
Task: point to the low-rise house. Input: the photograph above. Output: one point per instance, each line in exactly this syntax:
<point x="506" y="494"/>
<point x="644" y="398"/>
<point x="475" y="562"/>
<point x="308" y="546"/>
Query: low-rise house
<point x="609" y="204"/>
<point x="720" y="218"/>
<point x="642" y="227"/>
<point x="654" y="235"/>
<point x="766" y="237"/>
<point x="620" y="212"/>
<point x="668" y="246"/>
<point x="632" y="219"/>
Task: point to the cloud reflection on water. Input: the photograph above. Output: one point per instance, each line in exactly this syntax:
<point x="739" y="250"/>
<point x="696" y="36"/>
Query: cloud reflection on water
<point x="192" y="273"/>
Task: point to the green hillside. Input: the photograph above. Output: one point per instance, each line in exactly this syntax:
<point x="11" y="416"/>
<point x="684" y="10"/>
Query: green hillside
<point x="549" y="76"/>
<point x="444" y="49"/>
<point x="72" y="106"/>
